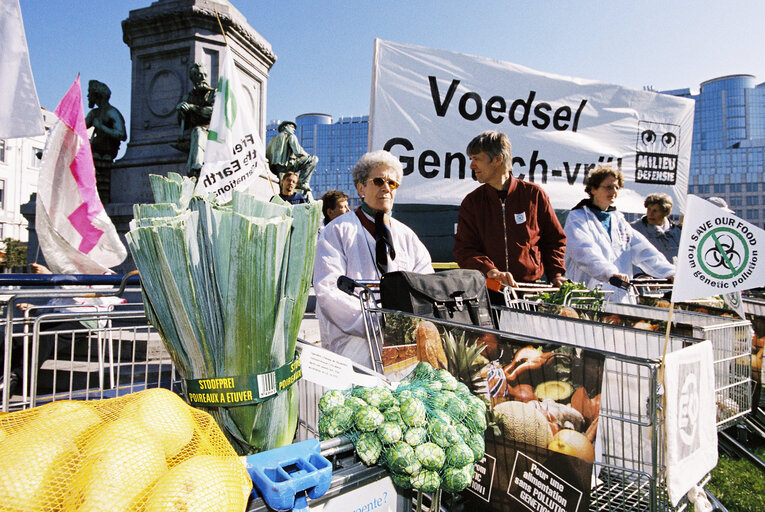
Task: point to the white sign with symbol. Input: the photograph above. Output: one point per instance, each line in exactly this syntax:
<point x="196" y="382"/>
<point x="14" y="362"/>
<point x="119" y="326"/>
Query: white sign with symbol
<point x="690" y="421"/>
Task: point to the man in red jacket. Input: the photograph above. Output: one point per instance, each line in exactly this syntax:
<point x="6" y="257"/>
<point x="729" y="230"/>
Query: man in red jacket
<point x="507" y="228"/>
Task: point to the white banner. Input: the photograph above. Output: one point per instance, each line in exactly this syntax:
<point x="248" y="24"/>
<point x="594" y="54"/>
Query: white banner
<point x="718" y="254"/>
<point x="235" y="155"/>
<point x="20" y="114"/>
<point x="428" y="104"/>
<point x="689" y="426"/>
<point x="75" y="234"/>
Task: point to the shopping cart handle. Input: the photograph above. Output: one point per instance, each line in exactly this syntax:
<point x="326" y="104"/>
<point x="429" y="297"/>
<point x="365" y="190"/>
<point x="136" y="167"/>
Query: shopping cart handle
<point x="348" y="285"/>
<point x="619" y="283"/>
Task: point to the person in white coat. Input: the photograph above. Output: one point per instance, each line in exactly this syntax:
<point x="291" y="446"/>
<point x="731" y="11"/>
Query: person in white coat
<point x="363" y="245"/>
<point x="601" y="244"/>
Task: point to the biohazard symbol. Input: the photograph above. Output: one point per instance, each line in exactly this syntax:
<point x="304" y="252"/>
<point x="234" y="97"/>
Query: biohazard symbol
<point x="723" y="253"/>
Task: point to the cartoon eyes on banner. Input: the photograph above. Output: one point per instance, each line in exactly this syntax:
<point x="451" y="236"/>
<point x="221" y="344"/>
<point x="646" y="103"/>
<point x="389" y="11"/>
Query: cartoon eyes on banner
<point x="648" y="137"/>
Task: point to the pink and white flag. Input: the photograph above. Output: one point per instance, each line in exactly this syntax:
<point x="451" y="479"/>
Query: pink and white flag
<point x="74" y="232"/>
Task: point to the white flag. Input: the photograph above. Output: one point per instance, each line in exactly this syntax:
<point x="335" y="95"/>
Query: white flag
<point x="719" y="253"/>
<point x="689" y="417"/>
<point x="75" y="234"/>
<point x="20" y="114"/>
<point x="235" y="154"/>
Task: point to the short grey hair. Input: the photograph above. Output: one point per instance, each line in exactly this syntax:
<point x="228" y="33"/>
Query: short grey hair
<point x="494" y="144"/>
<point x="372" y="160"/>
<point x="663" y="201"/>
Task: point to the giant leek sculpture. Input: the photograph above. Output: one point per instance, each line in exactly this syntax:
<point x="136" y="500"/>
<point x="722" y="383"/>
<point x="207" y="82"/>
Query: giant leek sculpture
<point x="226" y="287"/>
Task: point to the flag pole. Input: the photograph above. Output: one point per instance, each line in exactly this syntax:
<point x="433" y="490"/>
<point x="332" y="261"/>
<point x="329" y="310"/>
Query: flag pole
<point x="225" y="41"/>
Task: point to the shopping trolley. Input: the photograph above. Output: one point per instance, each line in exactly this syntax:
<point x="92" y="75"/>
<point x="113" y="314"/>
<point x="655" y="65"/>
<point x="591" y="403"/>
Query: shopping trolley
<point x="630" y="467"/>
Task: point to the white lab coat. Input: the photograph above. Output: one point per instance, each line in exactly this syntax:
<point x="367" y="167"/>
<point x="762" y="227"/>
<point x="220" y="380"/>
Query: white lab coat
<point x="346" y="248"/>
<point x="592" y="257"/>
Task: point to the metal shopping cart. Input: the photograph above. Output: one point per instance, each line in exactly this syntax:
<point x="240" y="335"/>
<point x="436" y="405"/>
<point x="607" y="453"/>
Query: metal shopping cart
<point x="630" y="467"/>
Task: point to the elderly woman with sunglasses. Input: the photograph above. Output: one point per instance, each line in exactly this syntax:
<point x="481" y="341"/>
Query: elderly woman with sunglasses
<point x="363" y="245"/>
<point x="601" y="244"/>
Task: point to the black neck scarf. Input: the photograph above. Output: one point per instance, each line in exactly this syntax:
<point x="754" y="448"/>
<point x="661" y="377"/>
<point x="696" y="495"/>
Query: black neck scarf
<point x="384" y="243"/>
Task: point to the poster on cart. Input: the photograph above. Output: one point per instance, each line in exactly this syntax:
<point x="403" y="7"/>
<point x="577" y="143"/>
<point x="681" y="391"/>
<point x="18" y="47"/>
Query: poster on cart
<point x="543" y="405"/>
<point x="690" y="427"/>
<point x="427" y="104"/>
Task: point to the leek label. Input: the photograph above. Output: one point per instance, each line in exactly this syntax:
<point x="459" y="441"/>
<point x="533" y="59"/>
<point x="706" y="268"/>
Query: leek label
<point x="242" y="389"/>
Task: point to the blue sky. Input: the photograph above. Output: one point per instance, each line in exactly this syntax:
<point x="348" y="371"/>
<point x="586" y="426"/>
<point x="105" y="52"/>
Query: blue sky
<point x="324" y="48"/>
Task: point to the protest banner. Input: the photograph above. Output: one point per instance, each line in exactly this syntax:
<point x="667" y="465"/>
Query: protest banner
<point x="427" y="104"/>
<point x="235" y="156"/>
<point x="75" y="234"/>
<point x="718" y="254"/>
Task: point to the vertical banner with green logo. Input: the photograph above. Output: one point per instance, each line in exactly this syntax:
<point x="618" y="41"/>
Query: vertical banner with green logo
<point x="719" y="253"/>
<point x="234" y="155"/>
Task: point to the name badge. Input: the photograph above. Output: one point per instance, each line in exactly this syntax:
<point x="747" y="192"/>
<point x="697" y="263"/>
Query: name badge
<point x="520" y="218"/>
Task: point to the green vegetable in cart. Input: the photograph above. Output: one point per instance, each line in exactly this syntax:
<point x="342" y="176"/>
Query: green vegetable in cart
<point x="368" y="448"/>
<point x="355" y="403"/>
<point x="442" y="433"/>
<point x="462" y="431"/>
<point x="456" y="479"/>
<point x="437" y="402"/>
<point x="330" y="400"/>
<point x="337" y="422"/>
<point x="423" y="371"/>
<point x="389" y="432"/>
<point x="430" y="455"/>
<point x="459" y="454"/>
<point x="403" y="395"/>
<point x="446" y="379"/>
<point x="433" y="386"/>
<point x="477" y="444"/>
<point x="415" y="436"/>
<point x="401" y="480"/>
<point x="368" y="418"/>
<point x="413" y="412"/>
<point x="393" y="414"/>
<point x="426" y="481"/>
<point x="439" y="414"/>
<point x="399" y="457"/>
<point x="456" y="407"/>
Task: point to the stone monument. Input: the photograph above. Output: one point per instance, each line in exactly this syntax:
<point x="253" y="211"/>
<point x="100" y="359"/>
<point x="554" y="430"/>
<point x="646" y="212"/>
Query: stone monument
<point x="165" y="39"/>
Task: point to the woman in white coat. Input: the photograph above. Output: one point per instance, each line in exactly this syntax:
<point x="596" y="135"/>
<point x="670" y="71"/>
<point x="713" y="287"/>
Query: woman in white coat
<point x="363" y="245"/>
<point x="601" y="244"/>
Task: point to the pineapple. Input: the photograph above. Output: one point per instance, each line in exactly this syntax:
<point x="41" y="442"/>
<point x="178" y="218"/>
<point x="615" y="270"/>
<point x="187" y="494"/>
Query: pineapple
<point x="465" y="362"/>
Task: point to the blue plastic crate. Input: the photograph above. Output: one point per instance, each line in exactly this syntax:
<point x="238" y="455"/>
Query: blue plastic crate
<point x="286" y="477"/>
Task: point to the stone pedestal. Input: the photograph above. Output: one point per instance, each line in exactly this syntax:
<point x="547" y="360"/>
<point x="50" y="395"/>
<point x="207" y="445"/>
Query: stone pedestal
<point x="165" y="39"/>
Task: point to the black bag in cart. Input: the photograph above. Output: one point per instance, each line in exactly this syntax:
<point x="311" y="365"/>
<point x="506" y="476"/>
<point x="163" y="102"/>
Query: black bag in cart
<point x="458" y="295"/>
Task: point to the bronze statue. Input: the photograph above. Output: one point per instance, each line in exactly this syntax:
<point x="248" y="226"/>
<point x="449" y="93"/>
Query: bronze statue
<point x="194" y="114"/>
<point x="108" y="132"/>
<point x="284" y="153"/>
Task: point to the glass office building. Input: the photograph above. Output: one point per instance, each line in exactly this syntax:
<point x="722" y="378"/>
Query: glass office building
<point x="728" y="151"/>
<point x="338" y="144"/>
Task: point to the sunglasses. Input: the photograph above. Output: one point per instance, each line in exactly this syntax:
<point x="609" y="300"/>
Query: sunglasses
<point x="379" y="182"/>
